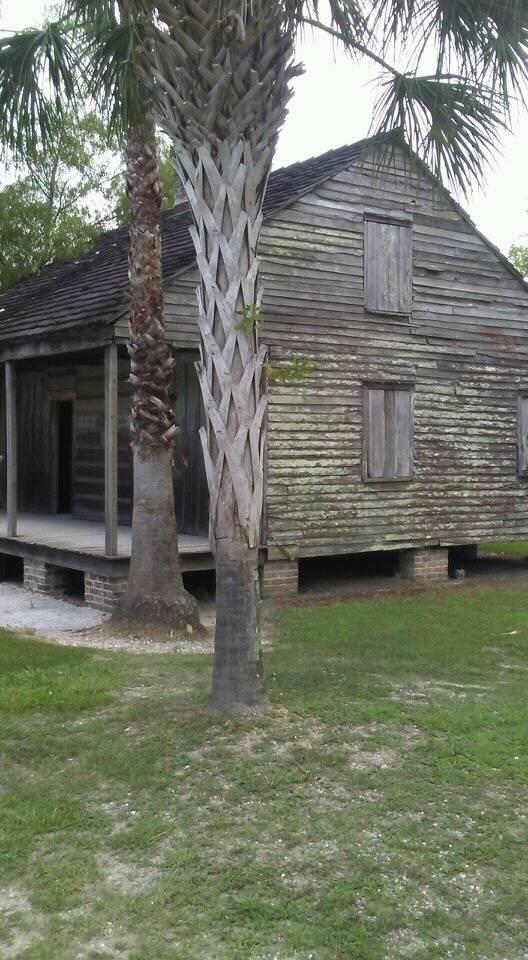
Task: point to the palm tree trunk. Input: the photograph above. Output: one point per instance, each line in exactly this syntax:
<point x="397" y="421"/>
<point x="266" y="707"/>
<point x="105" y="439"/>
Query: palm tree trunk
<point x="155" y="591"/>
<point x="226" y="199"/>
<point x="221" y="96"/>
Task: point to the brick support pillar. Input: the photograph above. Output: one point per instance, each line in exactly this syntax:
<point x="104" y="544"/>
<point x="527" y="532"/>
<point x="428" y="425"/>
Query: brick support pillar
<point x="280" y="579"/>
<point x="103" y="593"/>
<point x="41" y="577"/>
<point x="424" y="565"/>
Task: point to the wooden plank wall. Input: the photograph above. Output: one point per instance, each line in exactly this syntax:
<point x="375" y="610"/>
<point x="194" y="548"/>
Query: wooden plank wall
<point x="465" y="347"/>
<point x="192" y="498"/>
<point x="88" y="457"/>
<point x="3" y="478"/>
<point x="33" y="429"/>
<point x="36" y="390"/>
<point x="34" y="462"/>
<point x="54" y="380"/>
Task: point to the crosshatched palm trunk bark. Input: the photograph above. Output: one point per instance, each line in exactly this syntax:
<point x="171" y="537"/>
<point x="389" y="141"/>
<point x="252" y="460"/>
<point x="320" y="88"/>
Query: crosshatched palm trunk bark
<point x="222" y="90"/>
<point x="155" y="591"/>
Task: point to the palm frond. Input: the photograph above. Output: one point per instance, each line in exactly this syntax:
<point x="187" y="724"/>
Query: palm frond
<point x="39" y="77"/>
<point x="347" y="17"/>
<point x="505" y="47"/>
<point x="116" y="71"/>
<point x="115" y="34"/>
<point x="453" y="125"/>
<point x="484" y="40"/>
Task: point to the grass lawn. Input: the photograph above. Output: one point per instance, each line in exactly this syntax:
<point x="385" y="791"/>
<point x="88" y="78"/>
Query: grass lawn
<point x="378" y="811"/>
<point x="515" y="548"/>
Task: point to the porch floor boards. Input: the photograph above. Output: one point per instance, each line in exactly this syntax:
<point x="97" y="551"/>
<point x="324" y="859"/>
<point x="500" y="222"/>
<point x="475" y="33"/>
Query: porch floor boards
<point x="62" y="532"/>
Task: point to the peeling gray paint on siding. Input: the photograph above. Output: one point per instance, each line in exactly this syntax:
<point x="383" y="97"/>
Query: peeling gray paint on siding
<point x="464" y="346"/>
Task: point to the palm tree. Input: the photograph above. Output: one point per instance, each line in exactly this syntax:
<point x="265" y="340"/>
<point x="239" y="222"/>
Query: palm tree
<point x="96" y="49"/>
<point x="221" y="76"/>
<point x="218" y="76"/>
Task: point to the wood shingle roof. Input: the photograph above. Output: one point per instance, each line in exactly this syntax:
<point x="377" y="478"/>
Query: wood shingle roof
<point x="91" y="290"/>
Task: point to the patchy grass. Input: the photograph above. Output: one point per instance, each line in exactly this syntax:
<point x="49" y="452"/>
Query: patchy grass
<point x="512" y="548"/>
<point x="39" y="676"/>
<point x="378" y="811"/>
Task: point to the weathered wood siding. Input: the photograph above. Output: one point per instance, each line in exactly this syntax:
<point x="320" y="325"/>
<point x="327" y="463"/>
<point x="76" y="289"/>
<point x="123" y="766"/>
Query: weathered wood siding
<point x="33" y="428"/>
<point x="3" y="478"/>
<point x="53" y="381"/>
<point x="37" y="391"/>
<point x="33" y="441"/>
<point x="192" y="498"/>
<point x="464" y="347"/>
<point x="88" y="450"/>
<point x="387" y="259"/>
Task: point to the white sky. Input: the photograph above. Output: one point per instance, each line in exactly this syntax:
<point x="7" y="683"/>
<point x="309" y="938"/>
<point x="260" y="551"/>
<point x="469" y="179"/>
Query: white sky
<point x="333" y="105"/>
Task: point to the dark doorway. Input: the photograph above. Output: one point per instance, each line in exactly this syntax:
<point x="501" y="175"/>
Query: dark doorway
<point x="192" y="498"/>
<point x="64" y="455"/>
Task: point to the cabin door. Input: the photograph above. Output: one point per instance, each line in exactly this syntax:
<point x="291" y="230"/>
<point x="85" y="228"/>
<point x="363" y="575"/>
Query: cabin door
<point x="34" y="462"/>
<point x="63" y="456"/>
<point x="190" y="488"/>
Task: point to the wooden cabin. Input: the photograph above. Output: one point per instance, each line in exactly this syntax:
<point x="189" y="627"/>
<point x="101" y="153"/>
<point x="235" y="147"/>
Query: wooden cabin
<point x="410" y="434"/>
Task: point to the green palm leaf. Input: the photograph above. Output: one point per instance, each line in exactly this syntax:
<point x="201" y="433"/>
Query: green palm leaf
<point x="39" y="73"/>
<point x="453" y="125"/>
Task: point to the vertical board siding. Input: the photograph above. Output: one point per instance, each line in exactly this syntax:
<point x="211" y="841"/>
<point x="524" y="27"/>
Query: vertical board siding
<point x="377" y="432"/>
<point x="390" y="449"/>
<point x="33" y="430"/>
<point x="89" y="449"/>
<point x="192" y="499"/>
<point x="388" y="267"/>
<point x="388" y="425"/>
<point x="403" y="431"/>
<point x="3" y="450"/>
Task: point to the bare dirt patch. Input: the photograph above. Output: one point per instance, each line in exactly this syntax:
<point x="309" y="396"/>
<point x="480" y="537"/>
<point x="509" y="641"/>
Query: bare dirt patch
<point x="373" y="759"/>
<point x="127" y="876"/>
<point x="26" y="923"/>
<point x="111" y="943"/>
<point x="404" y="943"/>
<point x="420" y="691"/>
<point x="14" y="900"/>
<point x="116" y="636"/>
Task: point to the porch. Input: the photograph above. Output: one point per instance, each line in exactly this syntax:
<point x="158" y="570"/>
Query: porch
<point x="82" y="539"/>
<point x="66" y="486"/>
<point x="53" y="548"/>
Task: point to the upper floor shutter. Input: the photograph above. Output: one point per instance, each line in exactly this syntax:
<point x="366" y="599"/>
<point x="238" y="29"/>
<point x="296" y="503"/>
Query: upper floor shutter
<point x="388" y="266"/>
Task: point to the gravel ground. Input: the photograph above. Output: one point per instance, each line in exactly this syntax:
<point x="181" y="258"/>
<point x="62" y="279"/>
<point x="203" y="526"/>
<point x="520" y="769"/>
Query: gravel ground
<point x="76" y="625"/>
<point x="22" y="610"/>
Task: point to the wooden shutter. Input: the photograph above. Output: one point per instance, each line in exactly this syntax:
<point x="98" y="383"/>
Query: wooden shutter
<point x="389" y="433"/>
<point x="376" y="433"/>
<point x="522" y="443"/>
<point x="388" y="267"/>
<point x="403" y="433"/>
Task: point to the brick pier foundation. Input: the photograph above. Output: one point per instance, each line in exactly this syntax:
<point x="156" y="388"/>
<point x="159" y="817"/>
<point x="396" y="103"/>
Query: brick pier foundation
<point x="41" y="577"/>
<point x="104" y="593"/>
<point x="280" y="579"/>
<point x="424" y="565"/>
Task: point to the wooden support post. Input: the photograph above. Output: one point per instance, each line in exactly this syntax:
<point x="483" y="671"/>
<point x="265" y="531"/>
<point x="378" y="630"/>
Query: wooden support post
<point x="11" y="448"/>
<point x="111" y="424"/>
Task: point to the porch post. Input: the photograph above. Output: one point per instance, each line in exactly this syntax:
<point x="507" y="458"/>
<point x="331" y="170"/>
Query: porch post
<point x="11" y="448"/>
<point x="111" y="423"/>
